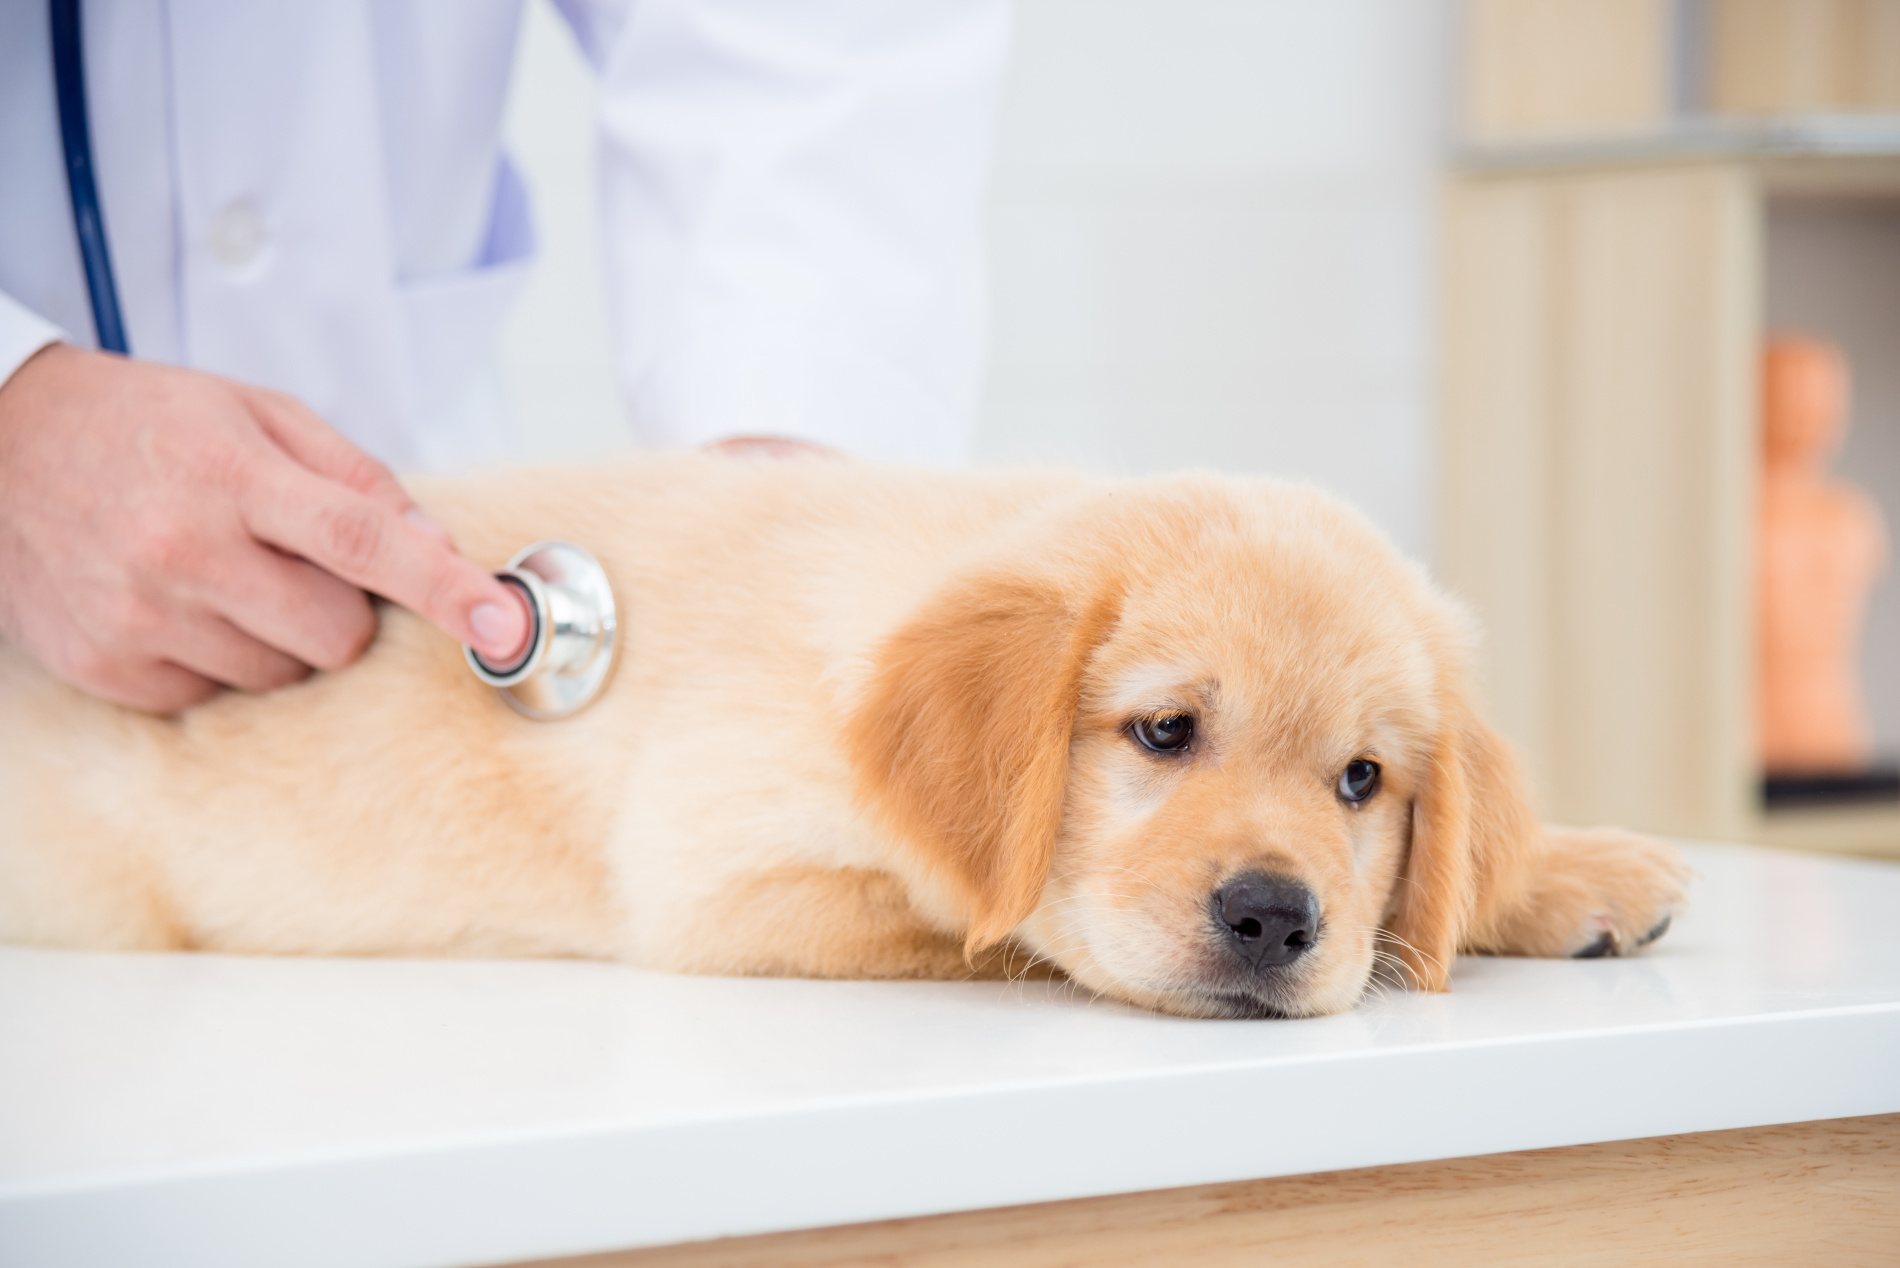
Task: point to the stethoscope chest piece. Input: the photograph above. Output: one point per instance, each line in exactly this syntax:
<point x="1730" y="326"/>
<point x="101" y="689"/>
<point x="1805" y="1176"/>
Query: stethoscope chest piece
<point x="571" y="648"/>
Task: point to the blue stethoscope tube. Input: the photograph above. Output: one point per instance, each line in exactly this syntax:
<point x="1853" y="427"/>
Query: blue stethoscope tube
<point x="69" y="78"/>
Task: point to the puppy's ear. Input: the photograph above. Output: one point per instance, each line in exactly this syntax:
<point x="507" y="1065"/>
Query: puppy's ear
<point x="1472" y="830"/>
<point x="962" y="741"/>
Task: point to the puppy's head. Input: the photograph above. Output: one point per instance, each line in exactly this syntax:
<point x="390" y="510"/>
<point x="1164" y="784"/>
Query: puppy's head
<point x="1205" y="746"/>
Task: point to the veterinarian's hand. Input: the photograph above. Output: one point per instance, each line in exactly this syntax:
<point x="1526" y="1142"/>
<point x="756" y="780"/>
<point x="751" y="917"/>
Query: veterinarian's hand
<point x="164" y="532"/>
<point x="780" y="448"/>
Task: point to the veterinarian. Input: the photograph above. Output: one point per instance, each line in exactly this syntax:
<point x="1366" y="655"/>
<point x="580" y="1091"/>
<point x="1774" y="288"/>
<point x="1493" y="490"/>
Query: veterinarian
<point x="305" y="236"/>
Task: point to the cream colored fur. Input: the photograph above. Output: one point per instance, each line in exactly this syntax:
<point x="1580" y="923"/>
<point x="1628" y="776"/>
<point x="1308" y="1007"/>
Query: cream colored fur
<point x="865" y="721"/>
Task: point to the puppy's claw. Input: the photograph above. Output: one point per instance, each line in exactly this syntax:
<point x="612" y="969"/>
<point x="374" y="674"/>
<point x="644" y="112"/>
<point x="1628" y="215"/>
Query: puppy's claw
<point x="1604" y="945"/>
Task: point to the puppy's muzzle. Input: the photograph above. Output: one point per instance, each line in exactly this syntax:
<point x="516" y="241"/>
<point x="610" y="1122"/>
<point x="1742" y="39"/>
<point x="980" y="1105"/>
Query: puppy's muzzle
<point x="1268" y="921"/>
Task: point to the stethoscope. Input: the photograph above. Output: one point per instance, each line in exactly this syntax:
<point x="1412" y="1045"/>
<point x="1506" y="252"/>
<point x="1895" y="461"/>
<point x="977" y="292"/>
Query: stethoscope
<point x="571" y="651"/>
<point x="75" y="135"/>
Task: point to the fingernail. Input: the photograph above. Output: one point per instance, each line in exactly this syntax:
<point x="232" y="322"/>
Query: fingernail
<point x="415" y="516"/>
<point x="502" y="632"/>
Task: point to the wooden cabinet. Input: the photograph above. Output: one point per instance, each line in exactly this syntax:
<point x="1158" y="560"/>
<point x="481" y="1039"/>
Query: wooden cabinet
<point x="1539" y="68"/>
<point x="1603" y="275"/>
<point x="1773" y="56"/>
<point x="1595" y="493"/>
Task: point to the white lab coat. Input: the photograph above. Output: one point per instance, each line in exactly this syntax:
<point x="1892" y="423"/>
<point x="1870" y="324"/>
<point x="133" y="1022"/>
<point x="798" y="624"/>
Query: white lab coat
<point x="312" y="196"/>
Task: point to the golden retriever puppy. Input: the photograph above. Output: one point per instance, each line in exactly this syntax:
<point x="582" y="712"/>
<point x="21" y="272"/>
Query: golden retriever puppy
<point x="1204" y="745"/>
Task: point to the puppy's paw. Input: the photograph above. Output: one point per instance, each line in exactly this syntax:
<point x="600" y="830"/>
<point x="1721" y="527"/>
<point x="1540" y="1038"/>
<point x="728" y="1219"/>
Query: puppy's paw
<point x="1595" y="892"/>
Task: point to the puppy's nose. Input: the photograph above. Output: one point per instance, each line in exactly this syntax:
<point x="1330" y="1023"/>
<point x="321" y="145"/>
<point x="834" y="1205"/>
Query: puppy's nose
<point x="1271" y="920"/>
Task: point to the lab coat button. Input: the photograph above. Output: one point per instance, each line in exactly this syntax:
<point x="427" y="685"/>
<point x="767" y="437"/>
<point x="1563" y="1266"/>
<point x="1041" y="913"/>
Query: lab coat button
<point x="239" y="236"/>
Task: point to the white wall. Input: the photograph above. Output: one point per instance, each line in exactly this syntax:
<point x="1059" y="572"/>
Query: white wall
<point x="1211" y="243"/>
<point x="557" y="368"/>
<point x="1211" y="238"/>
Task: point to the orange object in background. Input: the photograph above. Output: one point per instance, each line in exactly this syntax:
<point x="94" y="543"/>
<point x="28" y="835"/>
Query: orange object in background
<point x="1823" y="544"/>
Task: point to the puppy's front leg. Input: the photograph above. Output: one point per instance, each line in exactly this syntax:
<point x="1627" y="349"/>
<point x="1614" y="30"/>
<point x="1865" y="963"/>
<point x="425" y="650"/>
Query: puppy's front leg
<point x="826" y="922"/>
<point x="1484" y="875"/>
<point x="1586" y="893"/>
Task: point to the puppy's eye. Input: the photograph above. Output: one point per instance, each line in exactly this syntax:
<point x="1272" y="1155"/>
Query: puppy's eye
<point x="1358" y="781"/>
<point x="1166" y="732"/>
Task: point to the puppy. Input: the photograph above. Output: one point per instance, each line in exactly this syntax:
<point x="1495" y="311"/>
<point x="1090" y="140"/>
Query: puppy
<point x="1203" y="745"/>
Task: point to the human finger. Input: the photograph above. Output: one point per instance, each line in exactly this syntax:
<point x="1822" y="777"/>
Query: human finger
<point x="146" y="684"/>
<point x="211" y="647"/>
<point x="782" y="448"/>
<point x="290" y="604"/>
<point x="297" y="430"/>
<point x="369" y="544"/>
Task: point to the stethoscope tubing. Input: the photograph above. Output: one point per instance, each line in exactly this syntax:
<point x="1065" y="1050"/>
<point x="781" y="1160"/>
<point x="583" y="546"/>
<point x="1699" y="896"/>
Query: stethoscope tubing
<point x="75" y="134"/>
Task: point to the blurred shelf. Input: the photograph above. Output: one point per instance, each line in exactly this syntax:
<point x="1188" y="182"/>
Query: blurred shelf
<point x="1876" y="785"/>
<point x="1696" y="139"/>
<point x="1873" y="831"/>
